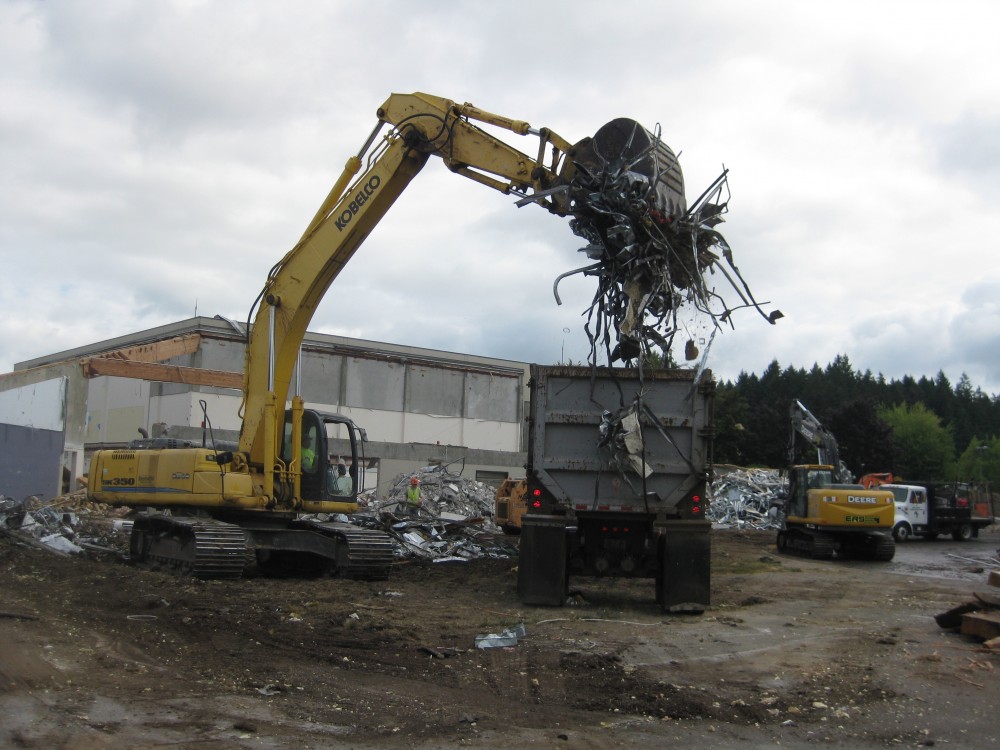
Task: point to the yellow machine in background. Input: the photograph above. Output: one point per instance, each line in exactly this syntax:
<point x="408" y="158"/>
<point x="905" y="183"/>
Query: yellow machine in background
<point x="823" y="512"/>
<point x="511" y="504"/>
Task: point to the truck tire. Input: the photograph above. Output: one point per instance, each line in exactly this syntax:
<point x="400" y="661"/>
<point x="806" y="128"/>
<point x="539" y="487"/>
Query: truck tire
<point x="902" y="532"/>
<point x="962" y="532"/>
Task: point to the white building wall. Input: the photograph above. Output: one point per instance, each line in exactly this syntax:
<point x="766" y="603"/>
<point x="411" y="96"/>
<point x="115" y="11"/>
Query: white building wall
<point x="116" y="409"/>
<point x="479" y="433"/>
<point x="427" y="428"/>
<point x="38" y="405"/>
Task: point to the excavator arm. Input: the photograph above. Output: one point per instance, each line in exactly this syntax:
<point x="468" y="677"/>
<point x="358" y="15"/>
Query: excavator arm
<point x="420" y="126"/>
<point x="827" y="451"/>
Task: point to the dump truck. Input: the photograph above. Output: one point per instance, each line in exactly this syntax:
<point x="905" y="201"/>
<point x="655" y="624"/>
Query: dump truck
<point x="618" y="464"/>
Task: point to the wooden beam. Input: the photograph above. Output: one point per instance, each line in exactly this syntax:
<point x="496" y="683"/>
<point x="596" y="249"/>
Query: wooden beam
<point x="984" y="624"/>
<point x="119" y="368"/>
<point x="157" y="351"/>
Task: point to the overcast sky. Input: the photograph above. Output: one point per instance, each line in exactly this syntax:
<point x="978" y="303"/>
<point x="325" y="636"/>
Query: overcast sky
<point x="157" y="158"/>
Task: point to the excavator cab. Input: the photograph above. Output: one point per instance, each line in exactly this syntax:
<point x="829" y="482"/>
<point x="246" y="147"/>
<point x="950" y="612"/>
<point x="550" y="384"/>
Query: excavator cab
<point x="802" y="479"/>
<point x="318" y="472"/>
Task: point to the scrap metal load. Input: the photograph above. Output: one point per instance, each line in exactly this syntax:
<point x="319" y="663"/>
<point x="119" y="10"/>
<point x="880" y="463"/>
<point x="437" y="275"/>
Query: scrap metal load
<point x="650" y="250"/>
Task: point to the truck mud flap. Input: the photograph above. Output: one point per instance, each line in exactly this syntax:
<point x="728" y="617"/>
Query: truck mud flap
<point x="684" y="579"/>
<point x="542" y="561"/>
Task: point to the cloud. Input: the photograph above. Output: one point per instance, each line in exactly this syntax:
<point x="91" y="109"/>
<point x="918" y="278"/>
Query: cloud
<point x="154" y="157"/>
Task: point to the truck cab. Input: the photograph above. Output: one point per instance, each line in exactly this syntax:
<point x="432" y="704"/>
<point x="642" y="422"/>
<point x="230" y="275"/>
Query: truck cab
<point x="912" y="515"/>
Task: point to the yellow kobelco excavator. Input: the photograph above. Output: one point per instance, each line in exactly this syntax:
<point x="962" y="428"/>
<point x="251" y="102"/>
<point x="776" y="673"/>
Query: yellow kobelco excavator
<point x="823" y="511"/>
<point x="218" y="508"/>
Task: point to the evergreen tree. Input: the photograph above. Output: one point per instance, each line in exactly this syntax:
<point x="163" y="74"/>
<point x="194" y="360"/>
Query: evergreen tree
<point x="849" y="404"/>
<point x="926" y="450"/>
<point x="865" y="440"/>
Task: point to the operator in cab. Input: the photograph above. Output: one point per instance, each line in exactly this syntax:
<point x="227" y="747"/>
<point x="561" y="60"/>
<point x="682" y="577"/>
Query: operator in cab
<point x="341" y="484"/>
<point x="308" y="454"/>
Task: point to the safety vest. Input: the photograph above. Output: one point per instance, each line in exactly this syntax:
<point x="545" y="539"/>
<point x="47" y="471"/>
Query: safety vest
<point x="413" y="496"/>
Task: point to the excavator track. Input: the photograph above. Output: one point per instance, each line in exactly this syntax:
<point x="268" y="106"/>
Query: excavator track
<point x="199" y="547"/>
<point x="207" y="548"/>
<point x="877" y="547"/>
<point x="816" y="545"/>
<point x="885" y="549"/>
<point x="364" y="554"/>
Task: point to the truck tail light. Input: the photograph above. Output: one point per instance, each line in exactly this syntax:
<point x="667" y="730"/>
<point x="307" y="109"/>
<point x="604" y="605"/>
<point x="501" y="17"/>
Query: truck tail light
<point x="696" y="504"/>
<point x="536" y="498"/>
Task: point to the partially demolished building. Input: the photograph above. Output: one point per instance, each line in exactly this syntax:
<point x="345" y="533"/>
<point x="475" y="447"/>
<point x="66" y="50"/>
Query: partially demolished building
<point x="419" y="407"/>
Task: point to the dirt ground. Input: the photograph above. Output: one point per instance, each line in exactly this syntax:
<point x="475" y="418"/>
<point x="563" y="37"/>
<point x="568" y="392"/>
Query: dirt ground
<point x="97" y="654"/>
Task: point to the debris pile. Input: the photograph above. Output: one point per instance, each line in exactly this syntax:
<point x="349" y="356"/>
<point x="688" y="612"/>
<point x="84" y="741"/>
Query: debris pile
<point x="650" y="252"/>
<point x="743" y="499"/>
<point x="66" y="525"/>
<point x="455" y="521"/>
<point x="445" y="495"/>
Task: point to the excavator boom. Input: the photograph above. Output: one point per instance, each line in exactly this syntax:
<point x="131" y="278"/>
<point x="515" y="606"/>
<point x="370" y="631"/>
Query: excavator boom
<point x="421" y="126"/>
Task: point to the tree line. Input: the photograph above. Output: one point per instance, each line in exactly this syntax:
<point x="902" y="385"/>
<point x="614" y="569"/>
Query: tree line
<point x="924" y="429"/>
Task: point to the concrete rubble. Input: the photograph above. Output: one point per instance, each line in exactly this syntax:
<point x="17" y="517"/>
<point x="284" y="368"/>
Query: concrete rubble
<point x="66" y="525"/>
<point x="742" y="498"/>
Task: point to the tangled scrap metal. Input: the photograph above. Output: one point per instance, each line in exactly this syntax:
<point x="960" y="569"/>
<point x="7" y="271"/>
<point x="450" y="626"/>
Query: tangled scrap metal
<point x="745" y="498"/>
<point x="651" y="252"/>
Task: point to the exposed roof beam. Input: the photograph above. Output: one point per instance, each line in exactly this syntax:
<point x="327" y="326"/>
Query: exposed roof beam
<point x="120" y="368"/>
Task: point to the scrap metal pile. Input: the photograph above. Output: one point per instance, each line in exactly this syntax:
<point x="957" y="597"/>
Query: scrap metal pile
<point x="455" y="521"/>
<point x="651" y="253"/>
<point x="743" y="499"/>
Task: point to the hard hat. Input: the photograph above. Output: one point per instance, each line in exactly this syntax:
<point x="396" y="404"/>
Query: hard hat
<point x="414" y="480"/>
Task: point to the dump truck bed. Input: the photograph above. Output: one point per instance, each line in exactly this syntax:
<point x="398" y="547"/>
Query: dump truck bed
<point x="581" y="448"/>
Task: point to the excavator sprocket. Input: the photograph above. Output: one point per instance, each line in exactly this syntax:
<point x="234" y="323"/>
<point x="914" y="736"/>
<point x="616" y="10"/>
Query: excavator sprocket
<point x="364" y="554"/>
<point x="195" y="546"/>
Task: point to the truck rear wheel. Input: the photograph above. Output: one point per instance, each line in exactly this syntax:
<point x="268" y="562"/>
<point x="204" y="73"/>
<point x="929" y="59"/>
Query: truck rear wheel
<point x="962" y="532"/>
